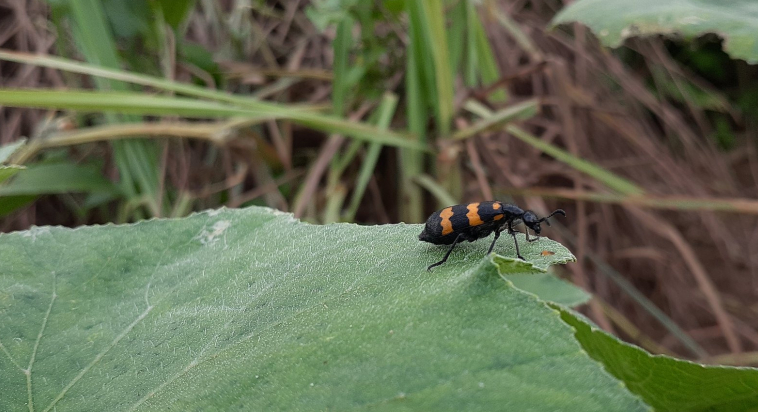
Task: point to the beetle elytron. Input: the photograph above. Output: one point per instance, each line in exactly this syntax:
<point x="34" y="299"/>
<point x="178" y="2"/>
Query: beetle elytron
<point x="473" y="221"/>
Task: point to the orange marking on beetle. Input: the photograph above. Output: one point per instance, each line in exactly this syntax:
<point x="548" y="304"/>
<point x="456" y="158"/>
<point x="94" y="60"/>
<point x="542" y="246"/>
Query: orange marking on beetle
<point x="498" y="217"/>
<point x="473" y="214"/>
<point x="447" y="225"/>
<point x="496" y="205"/>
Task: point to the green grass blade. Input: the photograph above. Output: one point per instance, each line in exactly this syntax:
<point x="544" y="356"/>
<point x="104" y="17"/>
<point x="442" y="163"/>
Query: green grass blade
<point x="97" y="43"/>
<point x="137" y="103"/>
<point x="143" y="80"/>
<point x="520" y="111"/>
<point x="731" y="205"/>
<point x="95" y="38"/>
<point x="440" y="193"/>
<point x="386" y="111"/>
<point x="357" y="130"/>
<point x="342" y="45"/>
<point x="411" y="201"/>
<point x="638" y="297"/>
<point x="344" y="161"/>
<point x="6" y="172"/>
<point x="335" y="190"/>
<point x="68" y="177"/>
<point x="488" y="67"/>
<point x="608" y="178"/>
<point x="522" y="39"/>
<point x="122" y="102"/>
<point x="471" y="67"/>
<point x="456" y="36"/>
<point x="335" y="198"/>
<point x="419" y="46"/>
<point x="435" y="19"/>
<point x="9" y="204"/>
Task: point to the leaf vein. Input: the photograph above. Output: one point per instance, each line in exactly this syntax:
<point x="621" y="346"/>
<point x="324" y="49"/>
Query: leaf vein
<point x="28" y="370"/>
<point x="10" y="357"/>
<point x="99" y="356"/>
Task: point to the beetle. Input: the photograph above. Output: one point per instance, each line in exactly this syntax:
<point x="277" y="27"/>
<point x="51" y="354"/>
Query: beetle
<point x="473" y="221"/>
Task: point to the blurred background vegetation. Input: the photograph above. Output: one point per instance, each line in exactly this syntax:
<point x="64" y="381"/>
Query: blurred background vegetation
<point x="380" y="112"/>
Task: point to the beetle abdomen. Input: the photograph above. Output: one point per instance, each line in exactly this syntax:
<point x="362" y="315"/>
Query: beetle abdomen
<point x="445" y="225"/>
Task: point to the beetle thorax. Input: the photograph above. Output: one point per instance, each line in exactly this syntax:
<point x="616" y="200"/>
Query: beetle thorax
<point x="512" y="211"/>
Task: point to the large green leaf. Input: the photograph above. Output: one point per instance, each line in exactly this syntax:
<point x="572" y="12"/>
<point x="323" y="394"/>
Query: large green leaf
<point x="666" y="383"/>
<point x="550" y="288"/>
<point x="615" y="20"/>
<point x="251" y="309"/>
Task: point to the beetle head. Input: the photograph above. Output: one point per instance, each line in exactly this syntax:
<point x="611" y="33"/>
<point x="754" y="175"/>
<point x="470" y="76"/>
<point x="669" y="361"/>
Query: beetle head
<point x="533" y="222"/>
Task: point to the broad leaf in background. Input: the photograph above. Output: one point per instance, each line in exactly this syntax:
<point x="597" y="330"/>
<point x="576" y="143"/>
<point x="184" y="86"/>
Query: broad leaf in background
<point x="665" y="383"/>
<point x="252" y="309"/>
<point x="613" y="21"/>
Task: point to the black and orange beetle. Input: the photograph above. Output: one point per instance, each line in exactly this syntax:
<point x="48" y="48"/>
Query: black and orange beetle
<point x="474" y="221"/>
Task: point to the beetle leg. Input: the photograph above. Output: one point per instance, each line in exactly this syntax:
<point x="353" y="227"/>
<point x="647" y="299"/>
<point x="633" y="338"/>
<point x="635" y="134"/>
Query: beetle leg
<point x="513" y="233"/>
<point x="497" y="235"/>
<point x="533" y="239"/>
<point x="455" y="242"/>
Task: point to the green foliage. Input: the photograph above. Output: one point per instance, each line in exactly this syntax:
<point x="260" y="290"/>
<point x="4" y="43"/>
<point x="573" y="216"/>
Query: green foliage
<point x="550" y="288"/>
<point x="699" y="21"/>
<point x="175" y="11"/>
<point x="35" y="180"/>
<point x="250" y="308"/>
<point x="139" y="103"/>
<point x="613" y="21"/>
<point x="95" y="39"/>
<point x="610" y="179"/>
<point x="373" y="58"/>
<point x="441" y="43"/>
<point x="130" y="20"/>
<point x="665" y="383"/>
<point x="199" y="56"/>
<point x="116" y="37"/>
<point x="685" y="91"/>
<point x="724" y="134"/>
<point x="6" y="172"/>
<point x="9" y="204"/>
<point x="323" y="13"/>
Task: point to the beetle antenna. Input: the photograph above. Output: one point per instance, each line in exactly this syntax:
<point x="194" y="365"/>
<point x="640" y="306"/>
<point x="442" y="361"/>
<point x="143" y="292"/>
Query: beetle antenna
<point x="556" y="212"/>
